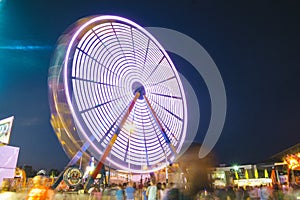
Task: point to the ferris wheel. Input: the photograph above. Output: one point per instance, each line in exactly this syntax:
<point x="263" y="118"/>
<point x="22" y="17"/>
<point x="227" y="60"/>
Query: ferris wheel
<point x="115" y="95"/>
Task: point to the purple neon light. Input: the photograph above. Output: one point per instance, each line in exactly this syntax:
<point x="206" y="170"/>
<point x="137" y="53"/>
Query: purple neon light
<point x="105" y="57"/>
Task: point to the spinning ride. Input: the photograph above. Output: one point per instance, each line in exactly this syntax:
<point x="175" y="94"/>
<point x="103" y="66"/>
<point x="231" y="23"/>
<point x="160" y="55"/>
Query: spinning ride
<point x="116" y="95"/>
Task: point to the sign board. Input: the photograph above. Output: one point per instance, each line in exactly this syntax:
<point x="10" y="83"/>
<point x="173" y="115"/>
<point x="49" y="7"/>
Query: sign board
<point x="73" y="176"/>
<point x="8" y="161"/>
<point x="5" y="129"/>
<point x="253" y="182"/>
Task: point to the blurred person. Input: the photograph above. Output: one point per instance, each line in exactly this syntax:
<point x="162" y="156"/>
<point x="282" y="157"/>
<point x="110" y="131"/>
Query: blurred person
<point x="62" y="187"/>
<point x="95" y="193"/>
<point x="5" y="193"/>
<point x="160" y="191"/>
<point x="151" y="192"/>
<point x="254" y="193"/>
<point x="106" y="192"/>
<point x="5" y="186"/>
<point x="285" y="188"/>
<point x="39" y="191"/>
<point x="50" y="191"/>
<point x="289" y="192"/>
<point x="206" y="195"/>
<point x="173" y="193"/>
<point x="231" y="193"/>
<point x="113" y="191"/>
<point x="275" y="192"/>
<point x="246" y="193"/>
<point x="164" y="185"/>
<point x="144" y="196"/>
<point x="264" y="192"/>
<point x="240" y="192"/>
<point x="221" y="193"/>
<point x="129" y="192"/>
<point x="164" y="191"/>
<point x="119" y="192"/>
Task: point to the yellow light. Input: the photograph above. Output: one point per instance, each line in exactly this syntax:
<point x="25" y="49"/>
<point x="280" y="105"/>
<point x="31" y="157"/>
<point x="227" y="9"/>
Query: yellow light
<point x="236" y="175"/>
<point x="92" y="169"/>
<point x="246" y="174"/>
<point x="89" y="169"/>
<point x="293" y="160"/>
<point x="256" y="173"/>
<point x="8" y="195"/>
<point x="266" y="174"/>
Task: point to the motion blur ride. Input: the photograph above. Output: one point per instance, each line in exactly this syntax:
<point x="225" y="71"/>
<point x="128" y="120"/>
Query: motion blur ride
<point x="115" y="95"/>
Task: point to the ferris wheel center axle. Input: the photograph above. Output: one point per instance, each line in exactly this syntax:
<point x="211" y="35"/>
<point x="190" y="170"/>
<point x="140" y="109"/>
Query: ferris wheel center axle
<point x="138" y="87"/>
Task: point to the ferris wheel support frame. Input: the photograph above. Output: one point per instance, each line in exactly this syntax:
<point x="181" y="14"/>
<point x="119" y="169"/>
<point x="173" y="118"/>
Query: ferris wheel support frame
<point x="160" y="126"/>
<point x="72" y="162"/>
<point x="93" y="176"/>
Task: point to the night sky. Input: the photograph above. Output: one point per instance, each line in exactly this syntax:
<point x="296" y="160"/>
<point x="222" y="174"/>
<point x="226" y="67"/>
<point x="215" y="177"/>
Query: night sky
<point x="255" y="45"/>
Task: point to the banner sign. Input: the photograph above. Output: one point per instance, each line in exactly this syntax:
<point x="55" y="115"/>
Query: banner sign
<point x="5" y="129"/>
<point x="253" y="182"/>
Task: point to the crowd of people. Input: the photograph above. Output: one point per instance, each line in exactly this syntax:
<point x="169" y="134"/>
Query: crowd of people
<point x="149" y="190"/>
<point x="262" y="192"/>
<point x="131" y="191"/>
<point x="162" y="191"/>
<point x="152" y="190"/>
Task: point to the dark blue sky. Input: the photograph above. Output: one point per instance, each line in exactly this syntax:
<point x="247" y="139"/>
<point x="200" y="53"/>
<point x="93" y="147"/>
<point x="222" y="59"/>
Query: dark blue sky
<point x="255" y="45"/>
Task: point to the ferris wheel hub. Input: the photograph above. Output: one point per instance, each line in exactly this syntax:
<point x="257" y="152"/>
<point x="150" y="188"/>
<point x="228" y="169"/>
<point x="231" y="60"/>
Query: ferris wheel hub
<point x="138" y="87"/>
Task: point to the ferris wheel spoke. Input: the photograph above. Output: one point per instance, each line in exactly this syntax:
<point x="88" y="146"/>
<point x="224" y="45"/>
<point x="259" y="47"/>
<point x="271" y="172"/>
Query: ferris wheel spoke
<point x="145" y="143"/>
<point x="114" y="123"/>
<point x="169" y="111"/>
<point x="127" y="151"/>
<point x="174" y="115"/>
<point x="166" y="95"/>
<point x="170" y="132"/>
<point x="146" y="54"/>
<point x="155" y="68"/>
<point x="98" y="37"/>
<point x="121" y="47"/>
<point x="96" y="82"/>
<point x="146" y="152"/>
<point x="160" y="82"/>
<point x="102" y="104"/>
<point x="161" y="145"/>
<point x="168" y="141"/>
<point x="128" y="139"/>
<point x="110" y="129"/>
<point x="133" y="46"/>
<point x="127" y="148"/>
<point x="97" y="61"/>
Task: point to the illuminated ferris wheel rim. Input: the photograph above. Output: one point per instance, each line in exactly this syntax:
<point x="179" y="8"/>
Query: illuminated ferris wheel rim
<point x="106" y="18"/>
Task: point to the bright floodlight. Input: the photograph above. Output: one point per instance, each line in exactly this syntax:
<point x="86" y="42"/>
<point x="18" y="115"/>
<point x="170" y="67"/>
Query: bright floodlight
<point x="99" y="65"/>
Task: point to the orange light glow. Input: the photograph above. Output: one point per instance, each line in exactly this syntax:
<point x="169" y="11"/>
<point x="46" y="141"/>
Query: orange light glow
<point x="293" y="160"/>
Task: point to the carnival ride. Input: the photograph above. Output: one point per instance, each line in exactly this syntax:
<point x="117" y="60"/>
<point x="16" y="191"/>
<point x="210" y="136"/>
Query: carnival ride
<point x="115" y="95"/>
